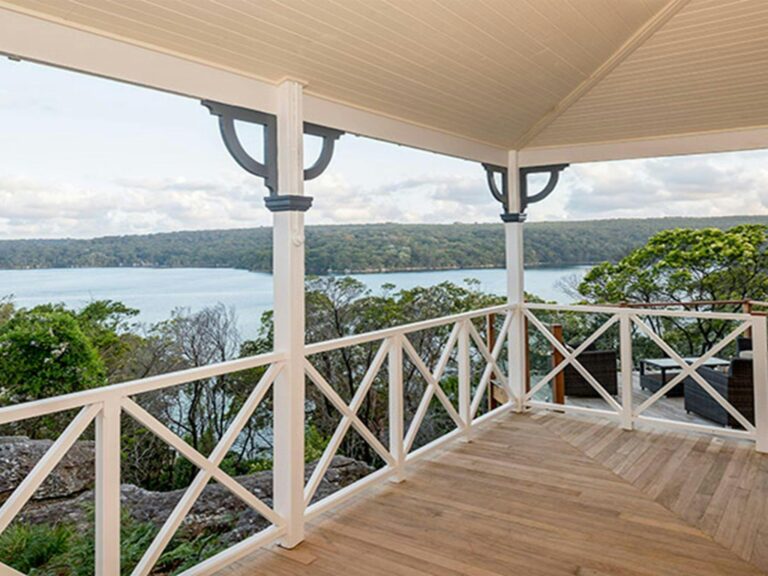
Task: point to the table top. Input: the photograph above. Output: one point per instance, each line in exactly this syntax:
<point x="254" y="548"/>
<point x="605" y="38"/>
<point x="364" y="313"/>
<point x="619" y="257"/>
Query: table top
<point x="664" y="363"/>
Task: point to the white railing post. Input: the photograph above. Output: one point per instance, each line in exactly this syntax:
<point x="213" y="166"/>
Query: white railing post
<point x="396" y="407"/>
<point x="513" y="235"/>
<point x="625" y="329"/>
<point x="107" y="497"/>
<point x="465" y="379"/>
<point x="288" y="266"/>
<point x="760" y="379"/>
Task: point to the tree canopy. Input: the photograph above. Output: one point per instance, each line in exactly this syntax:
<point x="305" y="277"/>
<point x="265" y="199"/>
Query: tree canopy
<point x="45" y="352"/>
<point x="359" y="248"/>
<point x="686" y="265"/>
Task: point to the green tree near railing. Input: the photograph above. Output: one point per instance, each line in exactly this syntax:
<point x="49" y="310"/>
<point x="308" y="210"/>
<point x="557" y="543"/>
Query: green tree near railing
<point x="343" y="306"/>
<point x="684" y="266"/>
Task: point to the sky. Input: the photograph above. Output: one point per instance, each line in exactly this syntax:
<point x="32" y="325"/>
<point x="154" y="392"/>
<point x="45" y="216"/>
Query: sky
<point x="82" y="156"/>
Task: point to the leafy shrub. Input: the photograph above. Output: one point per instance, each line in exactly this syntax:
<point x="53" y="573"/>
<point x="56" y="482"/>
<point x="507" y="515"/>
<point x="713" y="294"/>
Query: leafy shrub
<point x="27" y="548"/>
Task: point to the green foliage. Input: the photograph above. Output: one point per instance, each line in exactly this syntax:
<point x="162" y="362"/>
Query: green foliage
<point x="314" y="444"/>
<point x="684" y="265"/>
<point x="62" y="550"/>
<point x="28" y="548"/>
<point x="359" y="248"/>
<point x="45" y="352"/>
<point x="343" y="306"/>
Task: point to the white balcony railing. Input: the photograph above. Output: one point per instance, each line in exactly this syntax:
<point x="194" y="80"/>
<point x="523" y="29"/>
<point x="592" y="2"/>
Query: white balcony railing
<point x="106" y="405"/>
<point x="635" y="320"/>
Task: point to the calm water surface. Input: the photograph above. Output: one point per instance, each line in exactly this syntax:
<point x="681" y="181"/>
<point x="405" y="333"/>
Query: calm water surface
<point x="157" y="291"/>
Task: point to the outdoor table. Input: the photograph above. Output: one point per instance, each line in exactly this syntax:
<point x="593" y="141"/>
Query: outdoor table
<point x="666" y="365"/>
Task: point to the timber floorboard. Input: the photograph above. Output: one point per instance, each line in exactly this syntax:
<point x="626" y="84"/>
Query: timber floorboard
<point x="719" y="486"/>
<point x="521" y="498"/>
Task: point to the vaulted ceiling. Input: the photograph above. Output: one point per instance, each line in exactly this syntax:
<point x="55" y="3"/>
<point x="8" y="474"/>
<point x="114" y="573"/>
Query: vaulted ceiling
<point x="510" y="73"/>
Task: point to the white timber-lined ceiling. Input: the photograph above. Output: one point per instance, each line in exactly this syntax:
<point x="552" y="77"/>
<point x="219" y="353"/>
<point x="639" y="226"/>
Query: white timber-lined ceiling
<point x="509" y="73"/>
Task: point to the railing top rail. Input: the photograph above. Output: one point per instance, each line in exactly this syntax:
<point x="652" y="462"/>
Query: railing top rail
<point x="356" y="339"/>
<point x="687" y="304"/>
<point x="131" y="388"/>
<point x="616" y="309"/>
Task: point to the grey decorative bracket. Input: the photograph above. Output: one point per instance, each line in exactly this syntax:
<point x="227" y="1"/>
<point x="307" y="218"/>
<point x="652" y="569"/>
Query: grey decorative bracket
<point x="268" y="169"/>
<point x="491" y="171"/>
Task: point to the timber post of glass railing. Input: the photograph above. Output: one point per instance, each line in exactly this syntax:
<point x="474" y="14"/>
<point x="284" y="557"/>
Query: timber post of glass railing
<point x="760" y="379"/>
<point x="107" y="496"/>
<point x="465" y="376"/>
<point x="625" y="347"/>
<point x="396" y="407"/>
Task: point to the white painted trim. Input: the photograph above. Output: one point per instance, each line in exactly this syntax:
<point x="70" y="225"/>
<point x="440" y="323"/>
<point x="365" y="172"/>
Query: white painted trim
<point x="107" y="496"/>
<point x="35" y="477"/>
<point x="760" y="379"/>
<point x="752" y="138"/>
<point x="389" y="129"/>
<point x="570" y="409"/>
<point x="63" y="45"/>
<point x="289" y="321"/>
<point x="396" y="406"/>
<point x="17" y="412"/>
<point x="347" y="341"/>
<point x="625" y="347"/>
<point x="236" y="552"/>
<point x="657" y="423"/>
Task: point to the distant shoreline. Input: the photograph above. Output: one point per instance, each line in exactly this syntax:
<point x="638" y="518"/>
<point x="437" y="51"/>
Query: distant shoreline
<point x="332" y="273"/>
<point x="359" y="249"/>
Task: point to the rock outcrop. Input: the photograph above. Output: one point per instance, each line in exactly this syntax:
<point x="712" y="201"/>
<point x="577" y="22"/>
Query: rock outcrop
<point x="74" y="474"/>
<point x="67" y="496"/>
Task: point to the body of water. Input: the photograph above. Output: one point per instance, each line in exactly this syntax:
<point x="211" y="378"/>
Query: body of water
<point x="157" y="291"/>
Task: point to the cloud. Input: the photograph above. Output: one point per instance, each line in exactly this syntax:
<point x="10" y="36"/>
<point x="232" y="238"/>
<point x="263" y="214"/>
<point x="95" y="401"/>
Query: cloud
<point x="426" y="198"/>
<point x="712" y="185"/>
<point x="38" y="208"/>
<point x="693" y="186"/>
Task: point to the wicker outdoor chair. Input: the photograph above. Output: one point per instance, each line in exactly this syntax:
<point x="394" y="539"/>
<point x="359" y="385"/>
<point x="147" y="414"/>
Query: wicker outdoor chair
<point x="601" y="364"/>
<point x="736" y="387"/>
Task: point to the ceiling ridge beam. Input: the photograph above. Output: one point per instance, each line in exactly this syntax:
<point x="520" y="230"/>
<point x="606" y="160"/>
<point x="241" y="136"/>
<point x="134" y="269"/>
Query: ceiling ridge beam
<point x="706" y="142"/>
<point x="645" y="32"/>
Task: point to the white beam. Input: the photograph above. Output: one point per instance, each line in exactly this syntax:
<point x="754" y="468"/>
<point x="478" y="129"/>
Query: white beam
<point x="380" y="127"/>
<point x="288" y="284"/>
<point x="61" y="44"/>
<point x="513" y="235"/>
<point x="679" y="145"/>
<point x="107" y="497"/>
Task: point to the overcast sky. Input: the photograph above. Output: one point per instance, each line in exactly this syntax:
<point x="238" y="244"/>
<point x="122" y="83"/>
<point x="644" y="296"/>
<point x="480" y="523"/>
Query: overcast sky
<point x="83" y="157"/>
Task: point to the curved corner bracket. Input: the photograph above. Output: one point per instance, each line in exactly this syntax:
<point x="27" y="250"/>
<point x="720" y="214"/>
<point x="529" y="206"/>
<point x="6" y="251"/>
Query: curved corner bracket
<point x="227" y="115"/>
<point x="500" y="195"/>
<point x="329" y="136"/>
<point x="554" y="176"/>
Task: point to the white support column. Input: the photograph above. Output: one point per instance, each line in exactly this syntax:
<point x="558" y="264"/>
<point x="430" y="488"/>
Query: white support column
<point x="396" y="407"/>
<point x="107" y="497"/>
<point x="760" y="378"/>
<point x="288" y="266"/>
<point x="465" y="380"/>
<point x="513" y="234"/>
<point x="625" y="328"/>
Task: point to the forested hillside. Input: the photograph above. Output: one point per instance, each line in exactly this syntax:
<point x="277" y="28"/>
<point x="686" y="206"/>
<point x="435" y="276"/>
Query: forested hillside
<point x="359" y="248"/>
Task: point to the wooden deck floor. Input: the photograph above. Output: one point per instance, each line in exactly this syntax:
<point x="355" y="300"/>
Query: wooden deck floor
<point x="524" y="498"/>
<point x="719" y="486"/>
